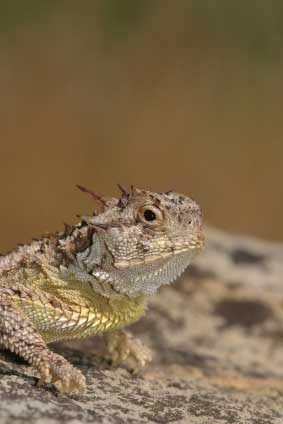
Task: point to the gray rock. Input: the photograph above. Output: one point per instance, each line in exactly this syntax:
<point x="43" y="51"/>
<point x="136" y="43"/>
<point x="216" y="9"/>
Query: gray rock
<point x="217" y="337"/>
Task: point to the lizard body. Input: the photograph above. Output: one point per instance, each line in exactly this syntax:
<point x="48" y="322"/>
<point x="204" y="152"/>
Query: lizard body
<point x="95" y="278"/>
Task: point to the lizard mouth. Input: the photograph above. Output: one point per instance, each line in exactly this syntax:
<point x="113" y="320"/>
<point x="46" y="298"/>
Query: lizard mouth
<point x="131" y="263"/>
<point x="193" y="246"/>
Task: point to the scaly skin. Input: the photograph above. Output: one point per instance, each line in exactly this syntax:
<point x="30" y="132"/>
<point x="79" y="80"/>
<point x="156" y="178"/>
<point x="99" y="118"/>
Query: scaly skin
<point x="95" y="278"/>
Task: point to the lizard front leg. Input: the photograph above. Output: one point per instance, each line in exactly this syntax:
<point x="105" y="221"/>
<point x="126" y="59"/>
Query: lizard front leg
<point x="18" y="335"/>
<point x="122" y="347"/>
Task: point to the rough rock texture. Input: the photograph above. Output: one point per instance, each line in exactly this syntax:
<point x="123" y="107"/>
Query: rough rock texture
<point x="217" y="335"/>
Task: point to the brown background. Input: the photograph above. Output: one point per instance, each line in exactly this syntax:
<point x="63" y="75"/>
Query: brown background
<point x="183" y="95"/>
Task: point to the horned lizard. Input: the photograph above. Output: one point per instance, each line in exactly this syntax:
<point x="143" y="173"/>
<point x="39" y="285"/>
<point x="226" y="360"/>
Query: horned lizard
<point x="95" y="277"/>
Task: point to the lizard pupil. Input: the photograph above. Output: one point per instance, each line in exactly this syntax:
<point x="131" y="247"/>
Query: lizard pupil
<point x="149" y="215"/>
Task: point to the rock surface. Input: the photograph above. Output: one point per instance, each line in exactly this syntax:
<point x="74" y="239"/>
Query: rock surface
<point x="217" y="336"/>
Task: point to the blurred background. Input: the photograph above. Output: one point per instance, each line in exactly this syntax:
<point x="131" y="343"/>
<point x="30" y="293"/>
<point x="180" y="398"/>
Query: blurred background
<point x="183" y="95"/>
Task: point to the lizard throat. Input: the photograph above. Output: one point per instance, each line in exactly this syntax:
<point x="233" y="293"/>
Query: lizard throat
<point x="148" y="277"/>
<point x="145" y="279"/>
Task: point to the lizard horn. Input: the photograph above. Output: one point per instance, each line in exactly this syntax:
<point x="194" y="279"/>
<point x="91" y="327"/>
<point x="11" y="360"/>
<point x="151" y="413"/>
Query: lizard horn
<point x="123" y="191"/>
<point x="103" y="200"/>
<point x="136" y="191"/>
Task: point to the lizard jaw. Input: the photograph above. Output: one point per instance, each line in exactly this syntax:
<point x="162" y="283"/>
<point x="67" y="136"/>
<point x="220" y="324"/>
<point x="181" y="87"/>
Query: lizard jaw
<point x="147" y="278"/>
<point x="136" y="262"/>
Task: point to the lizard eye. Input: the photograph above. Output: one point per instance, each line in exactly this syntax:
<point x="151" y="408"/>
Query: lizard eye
<point x="150" y="214"/>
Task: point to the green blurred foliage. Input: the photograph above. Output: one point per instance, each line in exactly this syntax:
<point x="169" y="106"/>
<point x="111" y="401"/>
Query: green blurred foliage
<point x="118" y="18"/>
<point x="16" y="12"/>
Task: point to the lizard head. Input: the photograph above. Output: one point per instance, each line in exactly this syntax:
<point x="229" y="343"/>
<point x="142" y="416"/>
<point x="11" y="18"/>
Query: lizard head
<point x="142" y="240"/>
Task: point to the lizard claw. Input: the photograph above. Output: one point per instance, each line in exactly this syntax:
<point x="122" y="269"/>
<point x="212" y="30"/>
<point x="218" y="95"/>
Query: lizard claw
<point x="122" y="347"/>
<point x="69" y="380"/>
<point x="140" y="353"/>
<point x="66" y="378"/>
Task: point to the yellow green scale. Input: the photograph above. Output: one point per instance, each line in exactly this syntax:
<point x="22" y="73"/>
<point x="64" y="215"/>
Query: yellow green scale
<point x="79" y="310"/>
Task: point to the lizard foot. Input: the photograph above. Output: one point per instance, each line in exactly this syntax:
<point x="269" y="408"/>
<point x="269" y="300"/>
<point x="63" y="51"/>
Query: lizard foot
<point x="66" y="378"/>
<point x="122" y="347"/>
<point x="19" y="336"/>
